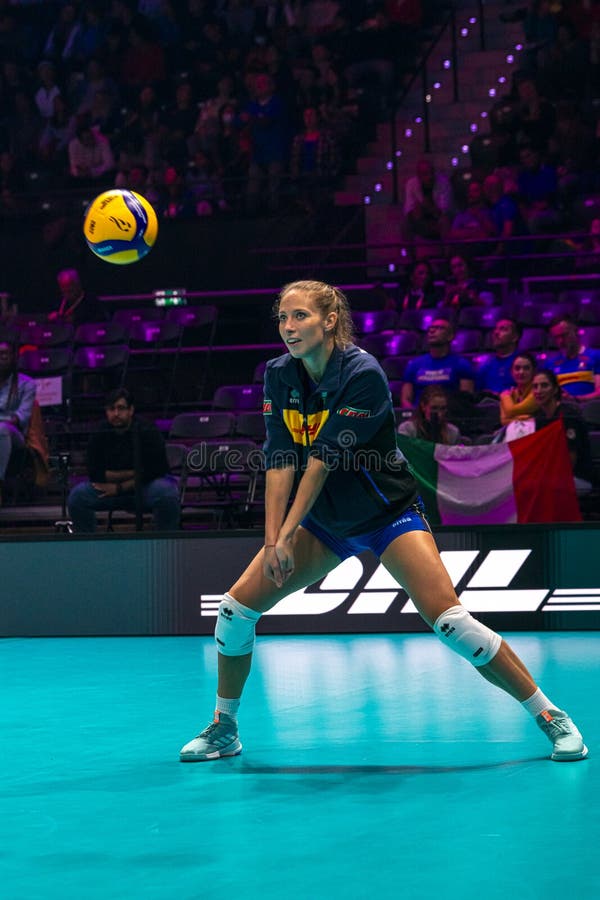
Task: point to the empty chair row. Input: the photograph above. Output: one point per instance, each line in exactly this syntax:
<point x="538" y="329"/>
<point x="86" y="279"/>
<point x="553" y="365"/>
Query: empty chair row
<point x="211" y="424"/>
<point x="144" y="326"/>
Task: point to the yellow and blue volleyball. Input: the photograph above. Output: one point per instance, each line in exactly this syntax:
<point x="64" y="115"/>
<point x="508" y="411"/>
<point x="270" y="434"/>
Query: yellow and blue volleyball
<point x="120" y="226"/>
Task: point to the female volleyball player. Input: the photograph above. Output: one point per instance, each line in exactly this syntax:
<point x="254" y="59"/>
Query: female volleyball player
<point x="331" y="434"/>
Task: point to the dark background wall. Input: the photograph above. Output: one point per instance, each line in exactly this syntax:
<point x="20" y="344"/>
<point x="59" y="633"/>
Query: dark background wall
<point x="147" y="584"/>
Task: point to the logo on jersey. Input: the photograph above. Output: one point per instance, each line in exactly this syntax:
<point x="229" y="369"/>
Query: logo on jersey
<point x="267" y="408"/>
<point x="301" y="429"/>
<point x="353" y="413"/>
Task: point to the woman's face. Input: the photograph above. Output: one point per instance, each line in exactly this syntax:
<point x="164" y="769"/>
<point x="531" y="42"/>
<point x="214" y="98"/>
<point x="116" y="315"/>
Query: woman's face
<point x="543" y="389"/>
<point x="437" y="406"/>
<point x="302" y="327"/>
<point x="522" y="371"/>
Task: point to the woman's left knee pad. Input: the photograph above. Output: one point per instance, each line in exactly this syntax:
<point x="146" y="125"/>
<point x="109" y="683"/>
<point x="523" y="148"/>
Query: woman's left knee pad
<point x="234" y="632"/>
<point x="472" y="640"/>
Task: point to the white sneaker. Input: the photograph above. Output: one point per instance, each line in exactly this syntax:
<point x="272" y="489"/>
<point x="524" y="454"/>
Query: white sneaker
<point x="218" y="739"/>
<point x="564" y="735"/>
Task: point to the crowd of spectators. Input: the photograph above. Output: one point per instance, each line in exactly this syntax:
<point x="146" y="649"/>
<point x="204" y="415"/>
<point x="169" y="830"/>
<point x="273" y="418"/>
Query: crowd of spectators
<point x="199" y="103"/>
<point x="536" y="171"/>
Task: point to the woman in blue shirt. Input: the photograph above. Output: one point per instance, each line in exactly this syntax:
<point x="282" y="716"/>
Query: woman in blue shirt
<point x="331" y="439"/>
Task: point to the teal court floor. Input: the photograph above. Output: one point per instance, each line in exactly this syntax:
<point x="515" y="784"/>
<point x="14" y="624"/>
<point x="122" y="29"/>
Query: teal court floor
<point x="373" y="767"/>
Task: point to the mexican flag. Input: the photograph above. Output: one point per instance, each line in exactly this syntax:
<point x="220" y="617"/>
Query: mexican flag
<point x="526" y="480"/>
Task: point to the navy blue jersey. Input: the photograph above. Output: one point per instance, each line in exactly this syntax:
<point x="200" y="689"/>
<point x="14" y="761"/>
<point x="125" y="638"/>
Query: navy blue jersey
<point x="347" y="421"/>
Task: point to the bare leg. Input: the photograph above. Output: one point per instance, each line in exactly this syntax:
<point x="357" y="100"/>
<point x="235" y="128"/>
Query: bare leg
<point x="414" y="561"/>
<point x="254" y="590"/>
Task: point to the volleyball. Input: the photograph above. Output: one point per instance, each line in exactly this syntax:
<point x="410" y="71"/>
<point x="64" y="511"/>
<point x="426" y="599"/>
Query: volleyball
<point x="120" y="226"/>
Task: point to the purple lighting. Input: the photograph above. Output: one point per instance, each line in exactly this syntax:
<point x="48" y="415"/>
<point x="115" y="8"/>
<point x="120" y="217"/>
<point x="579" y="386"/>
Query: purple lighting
<point x="408" y="132"/>
<point x="465" y="148"/>
<point x="454" y="160"/>
<point x="492" y="92"/>
<point x="472" y="20"/>
<point x="389" y="165"/>
<point x="464" y="32"/>
<point x="510" y="58"/>
<point x="473" y="127"/>
<point x="377" y="187"/>
<point x="366" y="200"/>
<point x="447" y="64"/>
<point x="437" y="85"/>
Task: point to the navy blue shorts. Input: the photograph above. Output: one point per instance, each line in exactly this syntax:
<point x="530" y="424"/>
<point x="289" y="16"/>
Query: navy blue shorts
<point x="412" y="519"/>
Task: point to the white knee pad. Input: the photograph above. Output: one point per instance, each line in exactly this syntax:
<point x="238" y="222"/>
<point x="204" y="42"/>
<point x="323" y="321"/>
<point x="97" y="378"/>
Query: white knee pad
<point x="234" y="632"/>
<point x="469" y="638"/>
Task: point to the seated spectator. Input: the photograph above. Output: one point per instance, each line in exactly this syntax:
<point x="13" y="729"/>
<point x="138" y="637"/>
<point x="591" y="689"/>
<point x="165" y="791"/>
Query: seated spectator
<point x="429" y="420"/>
<point x="551" y="406"/>
<point x="420" y="292"/>
<point x="232" y="153"/>
<point x="76" y="304"/>
<point x="538" y="186"/>
<point x="505" y="214"/>
<point x="577" y="368"/>
<point x="461" y="288"/>
<point x="518" y="401"/>
<point x="24" y="129"/>
<point x="141" y="131"/>
<point x="206" y="129"/>
<point x="535" y="116"/>
<point x="90" y="154"/>
<point x="494" y="375"/>
<point x="143" y="61"/>
<point x="175" y="200"/>
<point x="62" y="38"/>
<point x="266" y="118"/>
<point x="438" y="366"/>
<point x="205" y="185"/>
<point x="314" y="160"/>
<point x="475" y="222"/>
<point x="178" y="124"/>
<point x="48" y="89"/>
<point x="17" y="397"/>
<point x="58" y="131"/>
<point x="428" y="203"/>
<point x="127" y="464"/>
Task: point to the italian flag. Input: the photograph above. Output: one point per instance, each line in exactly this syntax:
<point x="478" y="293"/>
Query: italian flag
<point x="526" y="480"/>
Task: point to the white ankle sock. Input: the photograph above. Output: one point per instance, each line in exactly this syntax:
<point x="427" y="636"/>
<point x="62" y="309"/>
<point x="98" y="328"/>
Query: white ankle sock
<point x="537" y="703"/>
<point x="228" y="706"/>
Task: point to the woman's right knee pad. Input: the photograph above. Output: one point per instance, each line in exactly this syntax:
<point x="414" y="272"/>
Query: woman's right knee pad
<point x="234" y="632"/>
<point x="472" y="640"/>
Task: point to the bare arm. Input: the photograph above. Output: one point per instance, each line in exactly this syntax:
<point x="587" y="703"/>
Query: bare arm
<point x="309" y="489"/>
<point x="407" y="395"/>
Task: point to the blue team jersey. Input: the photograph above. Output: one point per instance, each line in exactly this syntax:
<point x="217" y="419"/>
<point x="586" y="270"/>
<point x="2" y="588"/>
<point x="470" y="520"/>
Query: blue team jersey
<point x="494" y="374"/>
<point x="447" y="371"/>
<point x="576" y="376"/>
